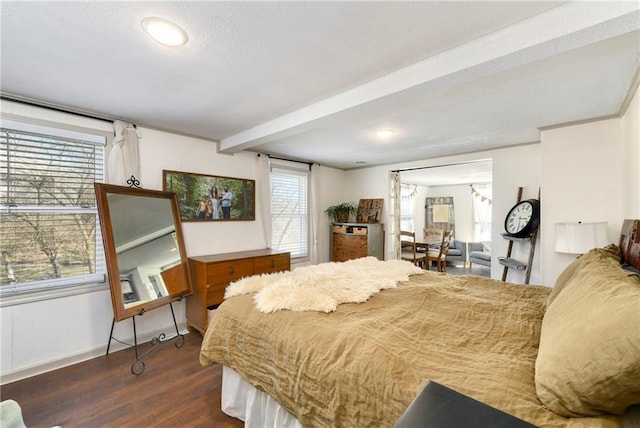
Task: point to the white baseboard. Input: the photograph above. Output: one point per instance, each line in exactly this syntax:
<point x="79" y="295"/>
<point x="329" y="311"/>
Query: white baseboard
<point x="69" y="360"/>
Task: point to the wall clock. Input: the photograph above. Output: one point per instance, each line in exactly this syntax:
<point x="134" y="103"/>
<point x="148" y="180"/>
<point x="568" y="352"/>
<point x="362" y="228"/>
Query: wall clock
<point x="523" y="219"/>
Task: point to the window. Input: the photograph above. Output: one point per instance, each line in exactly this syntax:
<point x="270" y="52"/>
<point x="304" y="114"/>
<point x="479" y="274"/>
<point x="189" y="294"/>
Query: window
<point x="407" y="193"/>
<point x="481" y="203"/>
<point x="289" y="211"/>
<point x="48" y="217"/>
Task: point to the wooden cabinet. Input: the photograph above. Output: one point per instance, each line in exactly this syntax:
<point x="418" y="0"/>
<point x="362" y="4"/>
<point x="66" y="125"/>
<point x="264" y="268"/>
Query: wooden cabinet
<point x="211" y="274"/>
<point x="354" y="240"/>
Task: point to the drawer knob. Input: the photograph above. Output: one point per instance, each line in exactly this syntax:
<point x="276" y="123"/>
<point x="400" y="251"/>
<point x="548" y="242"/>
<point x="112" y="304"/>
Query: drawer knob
<point x="231" y="271"/>
<point x="273" y="263"/>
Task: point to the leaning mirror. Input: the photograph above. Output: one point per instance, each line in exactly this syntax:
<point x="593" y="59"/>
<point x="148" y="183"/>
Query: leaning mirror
<point x="144" y="249"/>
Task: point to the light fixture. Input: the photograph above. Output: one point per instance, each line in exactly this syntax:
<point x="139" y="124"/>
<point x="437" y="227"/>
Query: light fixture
<point x="579" y="238"/>
<point x="384" y="134"/>
<point x="164" y="31"/>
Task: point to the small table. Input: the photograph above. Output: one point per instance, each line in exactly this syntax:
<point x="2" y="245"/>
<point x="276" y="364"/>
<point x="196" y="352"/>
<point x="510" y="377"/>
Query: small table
<point x="425" y="243"/>
<point x="439" y="406"/>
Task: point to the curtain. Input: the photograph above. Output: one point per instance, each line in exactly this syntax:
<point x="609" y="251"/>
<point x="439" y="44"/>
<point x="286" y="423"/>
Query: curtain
<point x="123" y="158"/>
<point x="263" y="188"/>
<point x="395" y="199"/>
<point x="314" y="201"/>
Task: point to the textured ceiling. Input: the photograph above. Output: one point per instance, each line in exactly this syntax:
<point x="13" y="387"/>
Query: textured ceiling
<point x="315" y="80"/>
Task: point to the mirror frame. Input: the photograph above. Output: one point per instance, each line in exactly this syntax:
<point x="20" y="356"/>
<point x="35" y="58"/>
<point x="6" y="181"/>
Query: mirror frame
<point x="120" y="312"/>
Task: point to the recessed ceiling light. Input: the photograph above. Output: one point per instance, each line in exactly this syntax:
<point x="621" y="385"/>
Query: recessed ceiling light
<point x="165" y="32"/>
<point x="385" y="133"/>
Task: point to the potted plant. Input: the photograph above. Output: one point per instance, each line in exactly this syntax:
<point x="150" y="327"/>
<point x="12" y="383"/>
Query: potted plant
<point x="340" y="213"/>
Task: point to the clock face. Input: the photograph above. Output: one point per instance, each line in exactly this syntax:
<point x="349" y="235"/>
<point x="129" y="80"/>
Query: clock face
<point x="522" y="219"/>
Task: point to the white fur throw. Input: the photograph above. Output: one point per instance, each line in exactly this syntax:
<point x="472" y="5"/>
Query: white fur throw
<point x="323" y="287"/>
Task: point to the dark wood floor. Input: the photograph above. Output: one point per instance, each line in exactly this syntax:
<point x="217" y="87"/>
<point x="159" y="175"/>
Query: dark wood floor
<point x="477" y="269"/>
<point x="173" y="391"/>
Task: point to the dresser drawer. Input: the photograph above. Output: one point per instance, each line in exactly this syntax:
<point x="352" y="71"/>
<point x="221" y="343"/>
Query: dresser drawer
<point x="269" y="264"/>
<point x="357" y="243"/>
<point x="348" y="247"/>
<point x="212" y="273"/>
<point x="225" y="272"/>
<point x="215" y="294"/>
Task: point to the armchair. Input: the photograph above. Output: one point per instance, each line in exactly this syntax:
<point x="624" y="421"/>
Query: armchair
<point x="457" y="251"/>
<point x="479" y="253"/>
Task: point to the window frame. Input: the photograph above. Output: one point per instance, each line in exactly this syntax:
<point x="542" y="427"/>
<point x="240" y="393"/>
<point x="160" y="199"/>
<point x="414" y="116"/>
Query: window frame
<point x="88" y="133"/>
<point x="299" y="171"/>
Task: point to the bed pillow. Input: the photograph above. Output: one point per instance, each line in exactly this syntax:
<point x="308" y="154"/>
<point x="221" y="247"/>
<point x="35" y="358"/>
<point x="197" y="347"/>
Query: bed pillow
<point x="589" y="356"/>
<point x="612" y="251"/>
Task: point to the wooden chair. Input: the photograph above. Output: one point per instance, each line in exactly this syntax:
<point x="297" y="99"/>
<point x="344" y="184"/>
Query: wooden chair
<point x="439" y="255"/>
<point x="432" y="233"/>
<point x="408" y="249"/>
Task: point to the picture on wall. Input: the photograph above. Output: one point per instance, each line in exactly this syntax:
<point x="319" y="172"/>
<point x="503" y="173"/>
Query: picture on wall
<point x="203" y="197"/>
<point x="369" y="210"/>
<point x="439" y="213"/>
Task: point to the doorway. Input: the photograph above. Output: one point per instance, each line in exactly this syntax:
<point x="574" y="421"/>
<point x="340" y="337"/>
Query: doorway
<point x="468" y="189"/>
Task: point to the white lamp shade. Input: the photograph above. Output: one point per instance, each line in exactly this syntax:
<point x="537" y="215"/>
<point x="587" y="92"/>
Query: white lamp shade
<point x="579" y="238"/>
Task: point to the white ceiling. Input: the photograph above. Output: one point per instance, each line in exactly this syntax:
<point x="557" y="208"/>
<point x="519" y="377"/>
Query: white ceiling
<point x="315" y="80"/>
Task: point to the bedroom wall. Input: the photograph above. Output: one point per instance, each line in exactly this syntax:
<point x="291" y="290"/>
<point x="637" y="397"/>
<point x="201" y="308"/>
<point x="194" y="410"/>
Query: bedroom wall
<point x="587" y="172"/>
<point x="463" y="208"/>
<point x="44" y="335"/>
<point x="512" y="167"/>
<point x="630" y="124"/>
<point x="463" y="211"/>
<point x="590" y="174"/>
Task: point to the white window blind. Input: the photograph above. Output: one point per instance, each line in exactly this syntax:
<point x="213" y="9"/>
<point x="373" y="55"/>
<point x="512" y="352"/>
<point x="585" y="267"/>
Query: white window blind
<point x="289" y="211"/>
<point x="49" y="226"/>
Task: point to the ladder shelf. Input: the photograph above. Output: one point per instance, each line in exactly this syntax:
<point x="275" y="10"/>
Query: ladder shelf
<point x="508" y="262"/>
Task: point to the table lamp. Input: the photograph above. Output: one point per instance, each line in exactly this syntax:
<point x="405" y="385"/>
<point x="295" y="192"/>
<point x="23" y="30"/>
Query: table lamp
<point x="579" y="238"/>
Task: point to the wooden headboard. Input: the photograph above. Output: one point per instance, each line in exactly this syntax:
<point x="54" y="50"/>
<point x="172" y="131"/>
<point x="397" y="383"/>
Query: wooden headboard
<point x="630" y="242"/>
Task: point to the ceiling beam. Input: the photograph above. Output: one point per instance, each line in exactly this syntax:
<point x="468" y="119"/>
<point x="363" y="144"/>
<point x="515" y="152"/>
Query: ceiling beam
<point x="567" y="27"/>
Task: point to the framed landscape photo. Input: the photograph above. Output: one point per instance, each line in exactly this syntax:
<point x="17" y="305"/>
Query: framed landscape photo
<point x="203" y="197"/>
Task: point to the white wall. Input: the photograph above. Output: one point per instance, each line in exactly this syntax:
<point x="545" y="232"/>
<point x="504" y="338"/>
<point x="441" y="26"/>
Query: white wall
<point x="462" y="208"/>
<point x="45" y="335"/>
<point x="513" y="167"/>
<point x="578" y="168"/>
<point x="590" y="174"/>
<point x="630" y="134"/>
<point x="333" y="188"/>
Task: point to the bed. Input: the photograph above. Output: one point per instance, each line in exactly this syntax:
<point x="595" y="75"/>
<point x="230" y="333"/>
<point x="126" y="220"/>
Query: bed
<point x="562" y="356"/>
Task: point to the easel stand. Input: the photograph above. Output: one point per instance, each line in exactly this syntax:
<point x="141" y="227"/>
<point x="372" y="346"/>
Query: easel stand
<point x="138" y="365"/>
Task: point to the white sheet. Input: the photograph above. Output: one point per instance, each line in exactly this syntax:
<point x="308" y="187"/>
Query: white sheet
<point x="256" y="408"/>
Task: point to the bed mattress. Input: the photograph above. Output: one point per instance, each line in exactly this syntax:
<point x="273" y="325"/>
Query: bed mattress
<point x="363" y="364"/>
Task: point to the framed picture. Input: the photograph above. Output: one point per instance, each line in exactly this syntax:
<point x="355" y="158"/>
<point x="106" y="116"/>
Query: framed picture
<point x="439" y="213"/>
<point x="204" y="197"/>
<point x="369" y="210"/>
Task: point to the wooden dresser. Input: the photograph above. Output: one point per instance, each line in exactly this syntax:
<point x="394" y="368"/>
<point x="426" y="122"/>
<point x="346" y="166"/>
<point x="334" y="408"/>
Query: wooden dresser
<point x="211" y="274"/>
<point x="354" y="240"/>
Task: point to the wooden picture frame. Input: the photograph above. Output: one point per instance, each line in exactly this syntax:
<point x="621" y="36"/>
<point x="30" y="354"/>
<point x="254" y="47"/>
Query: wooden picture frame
<point x="439" y="213"/>
<point x="369" y="211"/>
<point x="203" y="197"/>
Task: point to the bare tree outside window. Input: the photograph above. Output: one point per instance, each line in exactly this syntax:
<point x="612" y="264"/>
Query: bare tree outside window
<point x="48" y="221"/>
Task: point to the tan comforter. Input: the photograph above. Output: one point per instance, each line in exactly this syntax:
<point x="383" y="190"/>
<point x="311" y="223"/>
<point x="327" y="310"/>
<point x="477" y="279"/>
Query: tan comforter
<point x="363" y="364"/>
